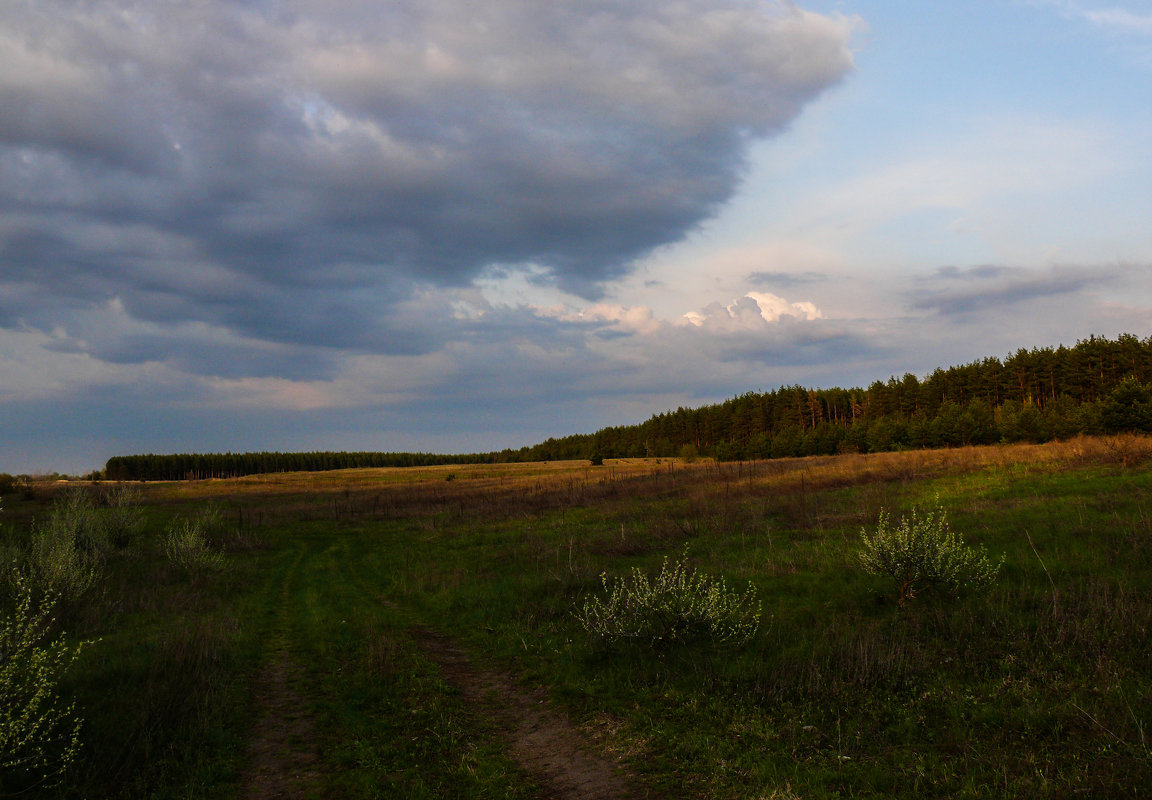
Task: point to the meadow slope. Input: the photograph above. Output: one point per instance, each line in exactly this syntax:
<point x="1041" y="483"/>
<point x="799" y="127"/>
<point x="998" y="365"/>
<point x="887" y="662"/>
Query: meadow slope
<point x="410" y="633"/>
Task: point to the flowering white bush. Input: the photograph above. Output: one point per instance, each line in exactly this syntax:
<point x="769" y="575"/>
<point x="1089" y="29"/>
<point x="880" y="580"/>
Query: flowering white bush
<point x="678" y="605"/>
<point x="921" y="552"/>
<point x="39" y="737"/>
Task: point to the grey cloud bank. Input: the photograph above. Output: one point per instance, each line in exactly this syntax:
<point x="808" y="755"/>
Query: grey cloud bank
<point x="215" y="210"/>
<point x="290" y="171"/>
<point x="954" y="292"/>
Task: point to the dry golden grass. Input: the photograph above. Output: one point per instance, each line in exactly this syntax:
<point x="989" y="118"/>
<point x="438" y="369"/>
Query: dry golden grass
<point x="510" y="489"/>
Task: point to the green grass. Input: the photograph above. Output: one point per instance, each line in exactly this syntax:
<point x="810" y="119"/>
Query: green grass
<point x="1039" y="688"/>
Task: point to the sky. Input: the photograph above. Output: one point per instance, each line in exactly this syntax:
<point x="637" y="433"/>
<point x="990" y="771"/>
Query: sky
<point x="451" y="226"/>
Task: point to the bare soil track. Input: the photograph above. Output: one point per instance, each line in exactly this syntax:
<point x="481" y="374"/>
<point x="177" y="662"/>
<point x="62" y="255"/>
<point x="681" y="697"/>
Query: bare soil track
<point x="282" y="758"/>
<point x="283" y="763"/>
<point x="544" y="742"/>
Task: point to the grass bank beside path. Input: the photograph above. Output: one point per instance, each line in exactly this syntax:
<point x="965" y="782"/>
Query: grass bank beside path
<point x="369" y="625"/>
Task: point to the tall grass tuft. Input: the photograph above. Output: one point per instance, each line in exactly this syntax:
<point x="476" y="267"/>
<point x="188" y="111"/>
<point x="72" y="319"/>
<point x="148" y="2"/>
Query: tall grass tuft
<point x="187" y="546"/>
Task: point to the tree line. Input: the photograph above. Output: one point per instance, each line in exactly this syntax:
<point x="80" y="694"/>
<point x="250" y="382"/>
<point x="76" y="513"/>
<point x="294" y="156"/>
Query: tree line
<point x="199" y="466"/>
<point x="1100" y="385"/>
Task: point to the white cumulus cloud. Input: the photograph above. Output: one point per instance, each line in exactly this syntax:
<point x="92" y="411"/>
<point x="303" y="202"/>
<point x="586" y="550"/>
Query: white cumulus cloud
<point x="753" y="311"/>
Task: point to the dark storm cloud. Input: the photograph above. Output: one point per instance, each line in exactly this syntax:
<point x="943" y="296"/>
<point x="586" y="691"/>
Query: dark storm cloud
<point x="293" y="172"/>
<point x="954" y="291"/>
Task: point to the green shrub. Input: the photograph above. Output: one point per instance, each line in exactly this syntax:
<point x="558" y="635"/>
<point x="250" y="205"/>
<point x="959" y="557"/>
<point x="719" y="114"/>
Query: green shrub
<point x="75" y="514"/>
<point x="39" y="737"/>
<point x="922" y="552"/>
<point x="123" y="519"/>
<point x="679" y="605"/>
<point x="188" y="548"/>
<point x="66" y="550"/>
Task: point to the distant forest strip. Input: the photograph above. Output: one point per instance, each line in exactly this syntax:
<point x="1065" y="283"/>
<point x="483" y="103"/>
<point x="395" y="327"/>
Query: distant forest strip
<point x="198" y="466"/>
<point x="1098" y="386"/>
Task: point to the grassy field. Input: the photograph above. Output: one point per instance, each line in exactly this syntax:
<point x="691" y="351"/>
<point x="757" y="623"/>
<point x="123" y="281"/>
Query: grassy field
<point x="395" y="633"/>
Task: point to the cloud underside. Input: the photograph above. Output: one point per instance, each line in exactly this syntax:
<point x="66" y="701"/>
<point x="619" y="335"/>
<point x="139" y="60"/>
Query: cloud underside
<point x="531" y="356"/>
<point x="309" y="174"/>
<point x="954" y="292"/>
<point x="506" y="376"/>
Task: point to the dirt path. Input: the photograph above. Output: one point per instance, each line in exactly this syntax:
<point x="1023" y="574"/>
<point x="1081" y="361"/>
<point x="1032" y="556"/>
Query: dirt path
<point x="283" y="763"/>
<point x="545" y="743"/>
<point x="282" y="758"/>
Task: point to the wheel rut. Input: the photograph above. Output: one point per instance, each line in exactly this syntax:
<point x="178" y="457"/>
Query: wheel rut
<point x="543" y="741"/>
<point x="283" y="763"/>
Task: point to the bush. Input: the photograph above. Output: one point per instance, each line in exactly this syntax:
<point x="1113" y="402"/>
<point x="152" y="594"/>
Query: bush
<point x="75" y="512"/>
<point x="124" y="518"/>
<point x="66" y="550"/>
<point x="679" y="605"/>
<point x="922" y="552"/>
<point x="188" y="548"/>
<point x="39" y="738"/>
